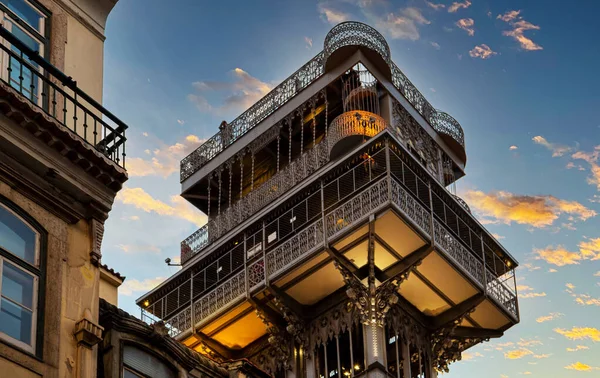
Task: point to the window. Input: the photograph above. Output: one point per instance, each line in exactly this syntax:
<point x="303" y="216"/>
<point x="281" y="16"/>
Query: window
<point x="19" y="276"/>
<point x="27" y="22"/>
<point x="137" y="363"/>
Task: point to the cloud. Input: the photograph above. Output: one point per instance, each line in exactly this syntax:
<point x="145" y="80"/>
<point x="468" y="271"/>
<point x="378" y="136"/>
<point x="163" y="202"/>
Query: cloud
<point x="331" y="15"/>
<point x="308" y="42"/>
<point x="402" y="25"/>
<point x="537" y="211"/>
<point x="456" y="6"/>
<point x="466" y="356"/>
<point x="552" y="270"/>
<point x="557" y="149"/>
<point x="532" y="295"/>
<point x="134" y="248"/>
<point x="435" y="6"/>
<point x="526" y="343"/>
<point x="497" y="236"/>
<point x="558" y="256"/>
<point x="578" y="348"/>
<point x="592" y="159"/>
<point x="586" y="300"/>
<point x="179" y="207"/>
<point x="240" y="93"/>
<point x="131" y="286"/>
<point x="164" y="160"/>
<point x="181" y="122"/>
<point x="520" y="26"/>
<point x="513" y="148"/>
<point x="466" y="24"/>
<point x="549" y="317"/>
<point x="580" y="333"/>
<point x="597" y="274"/>
<point x="482" y="51"/>
<point x="435" y="45"/>
<point x="145" y="134"/>
<point x="590" y="249"/>
<point x="541" y="356"/>
<point x="509" y="15"/>
<point x="581" y="367"/>
<point x="517" y="354"/>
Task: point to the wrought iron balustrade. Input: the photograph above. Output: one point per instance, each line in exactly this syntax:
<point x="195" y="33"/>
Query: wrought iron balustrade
<point x="58" y="95"/>
<point x="350" y="199"/>
<point x="344" y="34"/>
<point x="356" y="122"/>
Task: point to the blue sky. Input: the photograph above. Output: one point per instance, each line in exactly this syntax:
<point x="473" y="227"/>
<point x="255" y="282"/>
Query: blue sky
<point x="518" y="75"/>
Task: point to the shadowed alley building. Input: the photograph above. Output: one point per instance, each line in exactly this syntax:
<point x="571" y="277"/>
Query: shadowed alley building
<point x="335" y="245"/>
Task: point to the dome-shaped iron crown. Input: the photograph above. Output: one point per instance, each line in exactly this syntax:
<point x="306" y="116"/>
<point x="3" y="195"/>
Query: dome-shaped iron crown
<point x="355" y="34"/>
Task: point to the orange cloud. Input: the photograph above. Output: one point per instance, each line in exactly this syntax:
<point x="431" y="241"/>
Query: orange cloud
<point x="558" y="256"/>
<point x="520" y="26"/>
<point x="581" y="367"/>
<point x="592" y="159"/>
<point x="549" y="317"/>
<point x="586" y="300"/>
<point x="466" y="24"/>
<point x="590" y="249"/>
<point x="165" y="160"/>
<point x="517" y="354"/>
<point x="180" y="208"/>
<point x="402" y="25"/>
<point x="532" y="295"/>
<point x="482" y="51"/>
<point x="435" y="6"/>
<point x="580" y="333"/>
<point x="537" y="211"/>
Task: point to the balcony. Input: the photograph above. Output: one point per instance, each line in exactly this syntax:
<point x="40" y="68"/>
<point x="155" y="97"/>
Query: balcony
<point x="66" y="118"/>
<point x="387" y="177"/>
<point x="342" y="36"/>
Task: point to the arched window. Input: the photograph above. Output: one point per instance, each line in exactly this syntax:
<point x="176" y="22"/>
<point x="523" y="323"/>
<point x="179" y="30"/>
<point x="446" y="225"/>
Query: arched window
<point x="20" y="273"/>
<point x="139" y="364"/>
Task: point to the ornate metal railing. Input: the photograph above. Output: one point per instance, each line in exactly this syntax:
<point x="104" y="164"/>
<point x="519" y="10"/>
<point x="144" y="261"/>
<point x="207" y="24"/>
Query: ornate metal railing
<point x="354" y="33"/>
<point x="344" y="34"/>
<point x="462" y="203"/>
<point x="231" y="132"/>
<point x="356" y="122"/>
<point x="57" y="95"/>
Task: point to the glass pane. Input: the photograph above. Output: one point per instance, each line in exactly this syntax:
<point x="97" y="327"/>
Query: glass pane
<point x="390" y="351"/>
<point x="320" y="363"/>
<point x="25" y="12"/>
<point x="129" y="374"/>
<point x="23" y="78"/>
<point x="332" y="364"/>
<point x="358" y="349"/>
<point x="345" y="362"/>
<point x="15" y="321"/>
<point x="16" y="236"/>
<point x="17" y="285"/>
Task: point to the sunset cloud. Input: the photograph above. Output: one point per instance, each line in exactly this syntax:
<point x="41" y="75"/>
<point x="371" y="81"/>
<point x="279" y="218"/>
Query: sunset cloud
<point x="309" y="42"/>
<point x="549" y="317"/>
<point x="466" y="24"/>
<point x="519" y="27"/>
<point x="131" y="286"/>
<point x="179" y="207"/>
<point x="580" y="333"/>
<point x="513" y="148"/>
<point x="532" y="295"/>
<point x="581" y="367"/>
<point x="558" y="256"/>
<point x="134" y="248"/>
<point x="590" y="249"/>
<point x="164" y="160"/>
<point x="517" y="353"/>
<point x="402" y="25"/>
<point x="482" y="51"/>
<point x="331" y="15"/>
<point x="239" y="94"/>
<point x="456" y="6"/>
<point x="536" y="211"/>
<point x="557" y="149"/>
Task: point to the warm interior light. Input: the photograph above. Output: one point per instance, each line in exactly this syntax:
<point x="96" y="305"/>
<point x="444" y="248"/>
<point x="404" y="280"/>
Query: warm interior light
<point x="146" y="303"/>
<point x="508" y="264"/>
<point x="356" y="367"/>
<point x="347" y="373"/>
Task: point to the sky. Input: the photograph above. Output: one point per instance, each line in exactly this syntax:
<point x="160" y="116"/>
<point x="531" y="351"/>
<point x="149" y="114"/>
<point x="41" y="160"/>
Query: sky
<point x="520" y="76"/>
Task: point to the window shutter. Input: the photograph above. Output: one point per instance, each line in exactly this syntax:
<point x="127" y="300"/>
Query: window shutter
<point x="146" y="363"/>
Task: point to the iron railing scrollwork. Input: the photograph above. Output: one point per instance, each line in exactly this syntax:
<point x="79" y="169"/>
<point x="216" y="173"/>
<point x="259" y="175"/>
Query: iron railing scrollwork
<point x="344" y="34"/>
<point x="355" y="122"/>
<point x="58" y="95"/>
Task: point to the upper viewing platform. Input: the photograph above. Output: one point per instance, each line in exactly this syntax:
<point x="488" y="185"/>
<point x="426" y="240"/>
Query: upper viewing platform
<point x="340" y="43"/>
<point x="51" y="106"/>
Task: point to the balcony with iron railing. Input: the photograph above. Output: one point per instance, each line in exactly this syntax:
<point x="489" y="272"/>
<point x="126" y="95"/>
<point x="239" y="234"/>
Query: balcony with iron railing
<point x="31" y="78"/>
<point x="274" y="249"/>
<point x="342" y="35"/>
